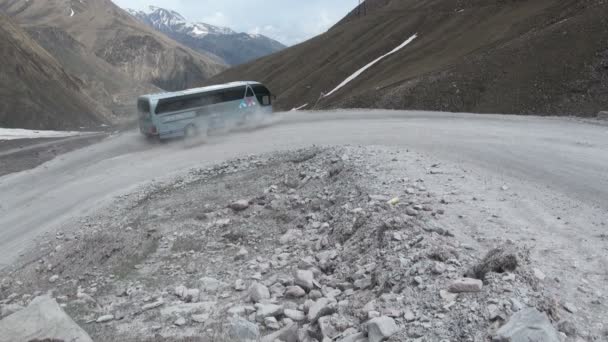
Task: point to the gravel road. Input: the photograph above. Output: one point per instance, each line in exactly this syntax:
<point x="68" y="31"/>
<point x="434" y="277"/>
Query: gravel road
<point x="563" y="155"/>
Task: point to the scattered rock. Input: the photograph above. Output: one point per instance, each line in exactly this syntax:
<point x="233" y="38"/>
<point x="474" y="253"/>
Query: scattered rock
<point x="272" y="323"/>
<point x="516" y="305"/>
<point x="571" y="308"/>
<point x="241" y="254"/>
<point x="466" y="285"/>
<point x="328" y="331"/>
<point x="356" y="337"/>
<point x="187" y="295"/>
<point x="43" y="319"/>
<point x="373" y="314"/>
<point x="494" y="313"/>
<point x="567" y="327"/>
<point x="258" y="292"/>
<point x="9" y="309"/>
<point x="105" y="318"/>
<point x="151" y="306"/>
<point x="539" y="274"/>
<point x="201" y="318"/>
<point x="394" y="201"/>
<point x="267" y="310"/>
<point x="277" y="290"/>
<point x="294" y="292"/>
<point x="180" y="322"/>
<point x="239" y="205"/>
<point x="53" y="279"/>
<point x="304" y="279"/>
<point x="320" y="308"/>
<point x="315" y="294"/>
<point x="363" y="283"/>
<point x="381" y="328"/>
<point x="438" y="268"/>
<point x="411" y="211"/>
<point x="241" y="330"/>
<point x="239" y="285"/>
<point x="525" y="326"/>
<point x="500" y="260"/>
<point x="210" y="285"/>
<point x="288" y="334"/>
<point x="290" y="236"/>
<point x="447" y="296"/>
<point x="295" y="315"/>
<point x="409" y="316"/>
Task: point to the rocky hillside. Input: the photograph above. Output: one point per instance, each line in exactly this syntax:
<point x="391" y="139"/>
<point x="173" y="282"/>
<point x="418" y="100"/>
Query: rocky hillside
<point x="100" y="80"/>
<point x="233" y="47"/>
<point x="111" y="34"/>
<point x="526" y="57"/>
<point x="36" y="91"/>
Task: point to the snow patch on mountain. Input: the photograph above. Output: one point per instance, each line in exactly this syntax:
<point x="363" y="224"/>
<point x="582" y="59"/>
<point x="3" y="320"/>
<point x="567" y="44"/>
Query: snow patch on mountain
<point x="369" y="65"/>
<point x="18" y="133"/>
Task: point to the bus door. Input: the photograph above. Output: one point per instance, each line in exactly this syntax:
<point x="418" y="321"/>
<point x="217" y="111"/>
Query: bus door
<point x="248" y="105"/>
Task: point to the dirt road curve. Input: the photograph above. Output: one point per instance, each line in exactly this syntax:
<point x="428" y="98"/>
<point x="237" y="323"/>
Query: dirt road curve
<point x="564" y="156"/>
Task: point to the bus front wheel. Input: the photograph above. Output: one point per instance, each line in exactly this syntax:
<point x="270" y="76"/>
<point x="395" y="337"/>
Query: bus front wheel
<point x="190" y="132"/>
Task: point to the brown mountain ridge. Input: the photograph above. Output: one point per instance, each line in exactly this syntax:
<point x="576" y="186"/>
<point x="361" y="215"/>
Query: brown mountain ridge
<point x="111" y="34"/>
<point x="112" y="57"/>
<point x="36" y="91"/>
<point x="525" y="57"/>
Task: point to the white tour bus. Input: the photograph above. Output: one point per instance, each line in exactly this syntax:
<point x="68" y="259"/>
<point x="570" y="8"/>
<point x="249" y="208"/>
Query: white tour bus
<point x="203" y="110"/>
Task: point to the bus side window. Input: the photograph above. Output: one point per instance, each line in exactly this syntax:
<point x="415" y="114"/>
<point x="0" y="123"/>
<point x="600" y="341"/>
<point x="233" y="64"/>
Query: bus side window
<point x="233" y="94"/>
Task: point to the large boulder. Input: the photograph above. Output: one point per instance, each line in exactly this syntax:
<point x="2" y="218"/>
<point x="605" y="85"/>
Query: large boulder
<point x="9" y="309"/>
<point x="527" y="325"/>
<point x="289" y="333"/>
<point x="320" y="308"/>
<point x="241" y="330"/>
<point x="42" y="319"/>
<point x="381" y="328"/>
<point x="258" y="292"/>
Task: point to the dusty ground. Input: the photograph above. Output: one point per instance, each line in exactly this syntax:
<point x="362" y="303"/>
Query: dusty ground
<point x="324" y="210"/>
<point x="24" y="154"/>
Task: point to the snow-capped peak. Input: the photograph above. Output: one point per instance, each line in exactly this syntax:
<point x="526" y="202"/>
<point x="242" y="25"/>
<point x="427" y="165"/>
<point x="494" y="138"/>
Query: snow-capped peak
<point x="168" y="20"/>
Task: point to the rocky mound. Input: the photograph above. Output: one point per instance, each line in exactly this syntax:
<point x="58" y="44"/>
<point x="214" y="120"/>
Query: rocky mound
<point x="526" y="57"/>
<point x="36" y="91"/>
<point x="311" y="245"/>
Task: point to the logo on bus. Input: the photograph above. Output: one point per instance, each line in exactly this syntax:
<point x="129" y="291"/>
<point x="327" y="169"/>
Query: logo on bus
<point x="246" y="103"/>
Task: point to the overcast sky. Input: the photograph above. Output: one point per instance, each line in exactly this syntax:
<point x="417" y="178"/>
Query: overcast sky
<point x="288" y="21"/>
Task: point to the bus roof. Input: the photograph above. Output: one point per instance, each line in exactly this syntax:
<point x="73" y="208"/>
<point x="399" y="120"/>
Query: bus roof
<point x="165" y="95"/>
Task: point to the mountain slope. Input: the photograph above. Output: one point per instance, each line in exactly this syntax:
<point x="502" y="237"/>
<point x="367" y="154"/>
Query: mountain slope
<point x="543" y="57"/>
<point x="234" y="48"/>
<point x="100" y="80"/>
<point x="35" y="91"/>
<point x="114" y="36"/>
